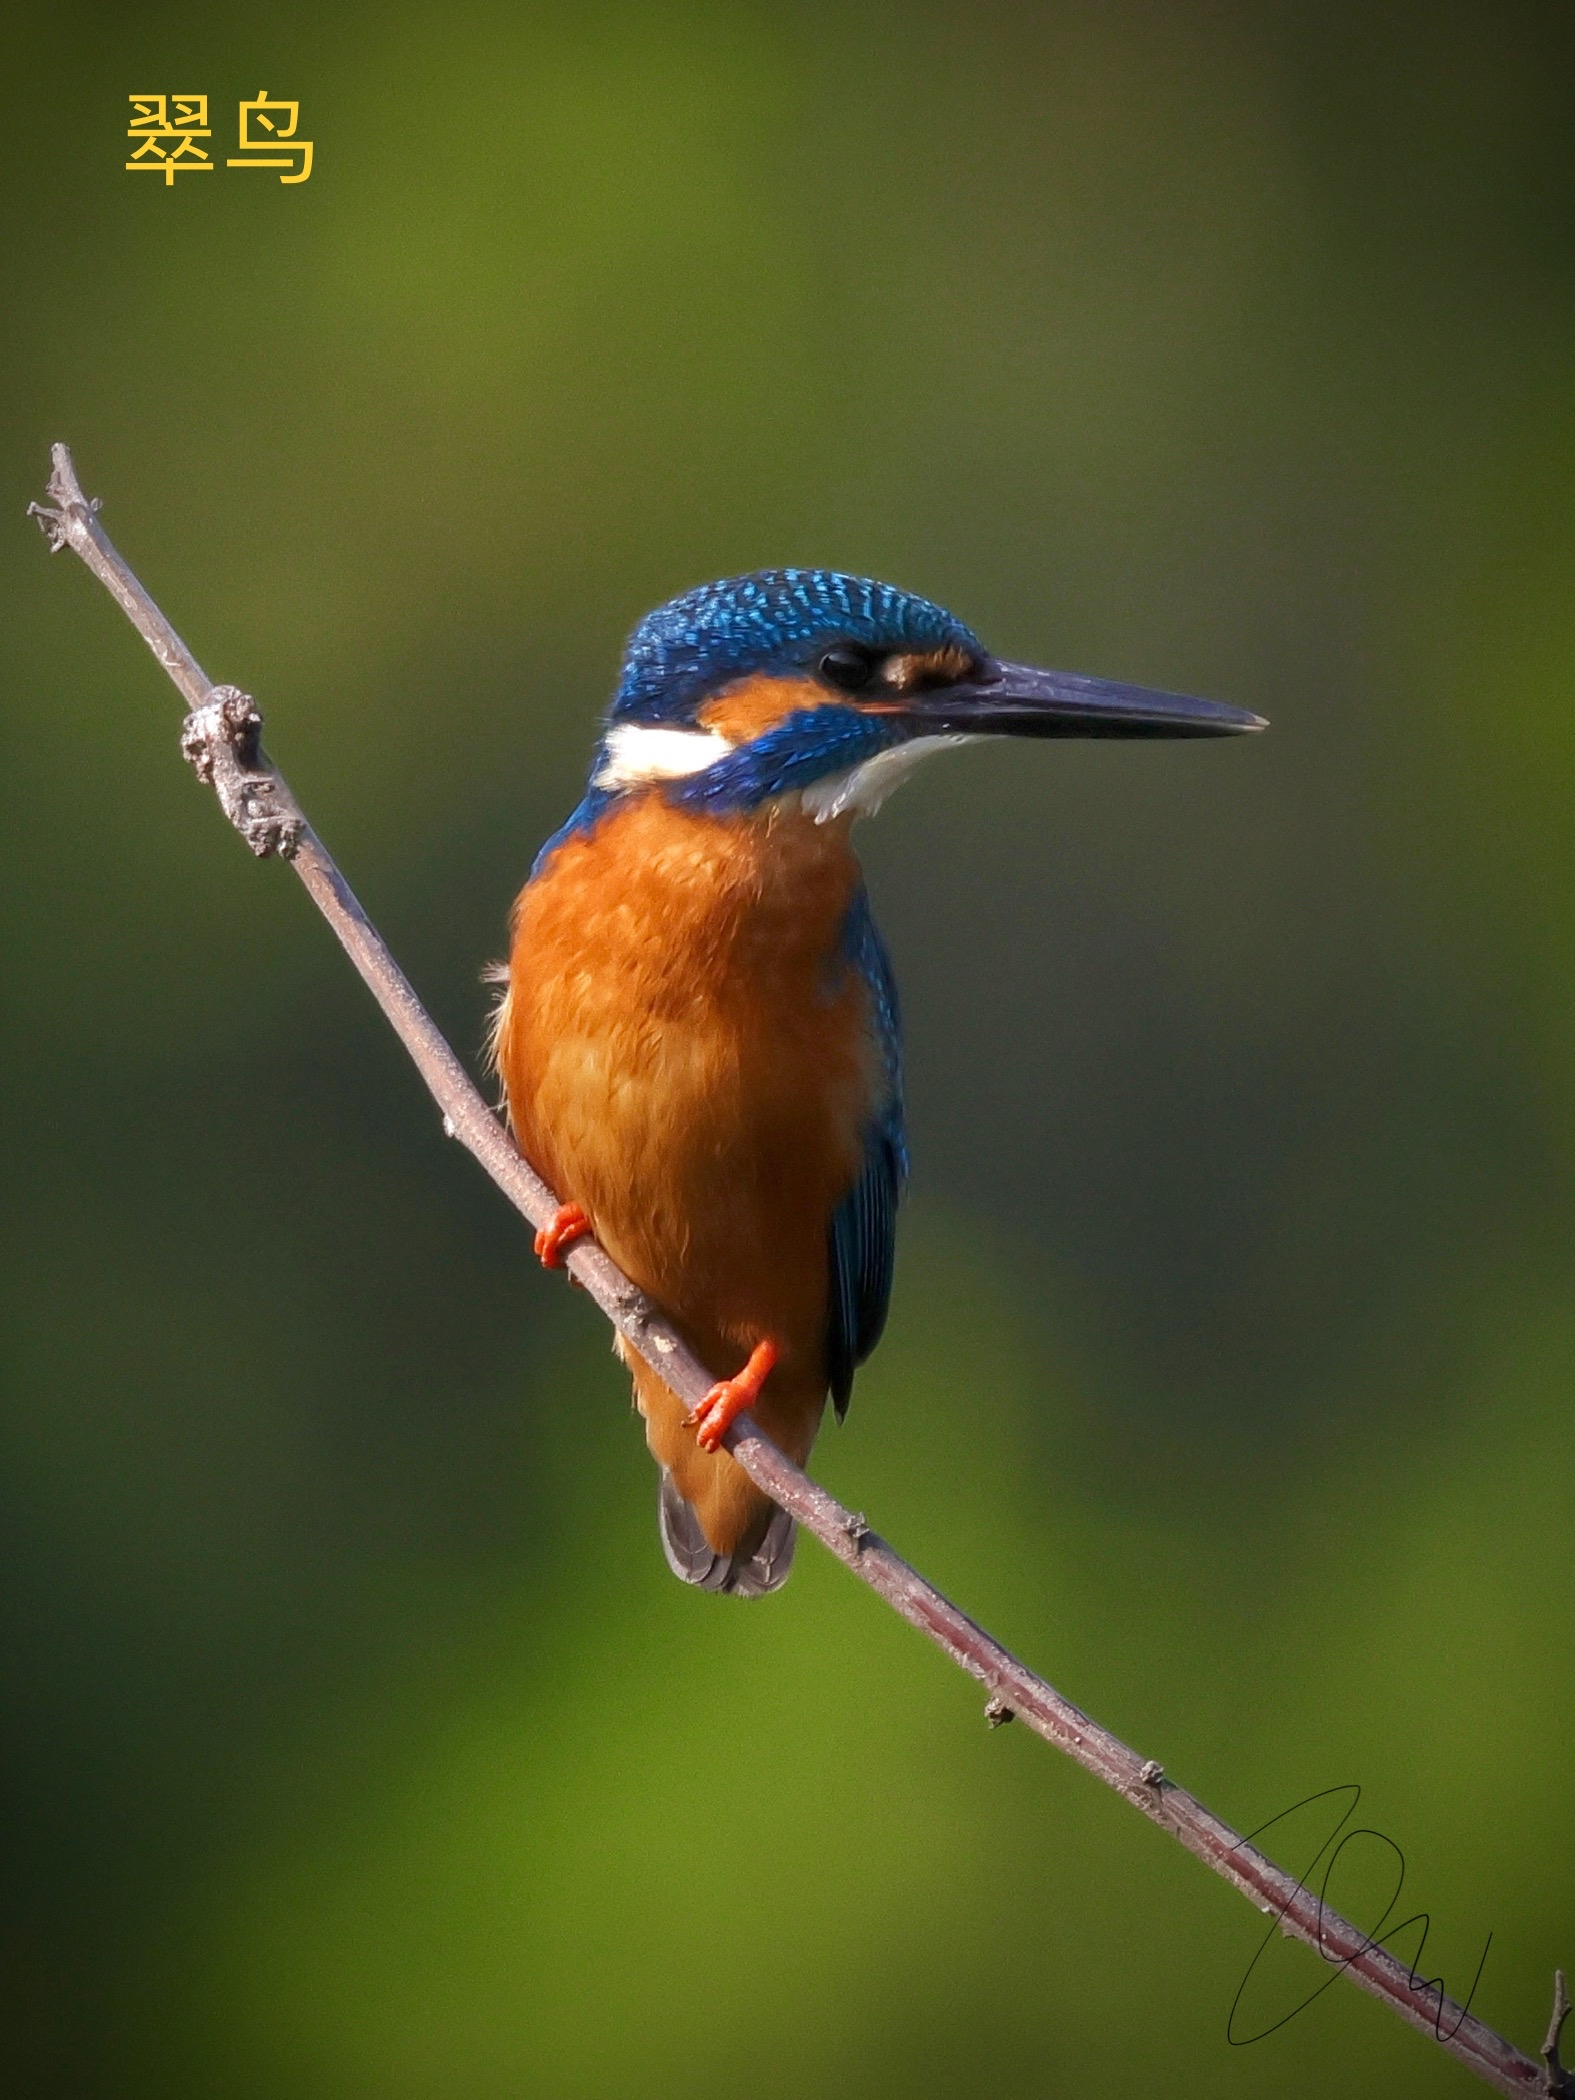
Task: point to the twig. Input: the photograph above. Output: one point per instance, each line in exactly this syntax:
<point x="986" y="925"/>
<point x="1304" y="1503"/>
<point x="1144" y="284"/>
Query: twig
<point x="221" y="738"/>
<point x="1560" y="2082"/>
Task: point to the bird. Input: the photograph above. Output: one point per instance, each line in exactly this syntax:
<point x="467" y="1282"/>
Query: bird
<point x="698" y="1036"/>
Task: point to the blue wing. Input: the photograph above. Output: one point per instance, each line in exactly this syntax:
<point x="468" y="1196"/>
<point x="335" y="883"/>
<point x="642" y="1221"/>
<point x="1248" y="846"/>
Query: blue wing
<point x="864" y="1225"/>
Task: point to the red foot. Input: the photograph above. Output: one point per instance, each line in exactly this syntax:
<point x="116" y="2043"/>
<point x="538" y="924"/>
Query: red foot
<point x="722" y="1406"/>
<point x="569" y="1223"/>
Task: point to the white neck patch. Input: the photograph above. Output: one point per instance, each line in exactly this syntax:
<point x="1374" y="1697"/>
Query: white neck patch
<point x="638" y="754"/>
<point x="863" y="788"/>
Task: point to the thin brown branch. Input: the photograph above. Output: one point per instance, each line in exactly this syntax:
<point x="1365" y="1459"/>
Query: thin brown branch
<point x="1561" y="2082"/>
<point x="221" y="738"/>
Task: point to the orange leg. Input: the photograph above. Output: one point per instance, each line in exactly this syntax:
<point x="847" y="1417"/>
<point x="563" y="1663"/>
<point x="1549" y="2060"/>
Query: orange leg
<point x="569" y="1223"/>
<point x="726" y="1401"/>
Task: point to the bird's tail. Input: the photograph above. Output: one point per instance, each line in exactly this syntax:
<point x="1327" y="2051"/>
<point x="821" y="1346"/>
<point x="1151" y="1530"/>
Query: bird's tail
<point x="755" y="1573"/>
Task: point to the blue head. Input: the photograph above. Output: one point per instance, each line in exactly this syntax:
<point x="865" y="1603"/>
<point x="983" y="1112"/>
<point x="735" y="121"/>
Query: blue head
<point x="778" y="623"/>
<point x="810" y="683"/>
<point x="771" y="684"/>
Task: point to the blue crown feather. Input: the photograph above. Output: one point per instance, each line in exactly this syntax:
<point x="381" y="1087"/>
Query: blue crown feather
<point x="774" y="621"/>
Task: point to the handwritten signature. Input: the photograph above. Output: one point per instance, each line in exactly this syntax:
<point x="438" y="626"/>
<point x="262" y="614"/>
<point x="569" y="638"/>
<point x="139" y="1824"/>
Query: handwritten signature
<point x="1335" y="1848"/>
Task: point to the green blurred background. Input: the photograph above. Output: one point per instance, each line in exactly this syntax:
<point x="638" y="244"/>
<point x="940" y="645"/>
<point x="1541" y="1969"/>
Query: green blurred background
<point x="357" y="1741"/>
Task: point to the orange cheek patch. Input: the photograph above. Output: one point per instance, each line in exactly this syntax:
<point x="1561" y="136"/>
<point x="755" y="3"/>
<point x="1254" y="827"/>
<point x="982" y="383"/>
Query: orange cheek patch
<point x="747" y="710"/>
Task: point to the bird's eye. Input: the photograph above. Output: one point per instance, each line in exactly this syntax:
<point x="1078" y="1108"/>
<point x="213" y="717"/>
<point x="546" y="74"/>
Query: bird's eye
<point x="848" y="666"/>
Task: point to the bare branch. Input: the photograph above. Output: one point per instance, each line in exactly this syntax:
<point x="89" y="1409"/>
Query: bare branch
<point x="221" y="738"/>
<point x="1560" y="2082"/>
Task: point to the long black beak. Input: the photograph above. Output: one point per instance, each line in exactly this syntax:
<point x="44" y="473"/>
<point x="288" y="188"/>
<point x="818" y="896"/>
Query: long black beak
<point x="1016" y="700"/>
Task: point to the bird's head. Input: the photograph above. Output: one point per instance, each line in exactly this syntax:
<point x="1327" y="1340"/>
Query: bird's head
<point x="805" y="682"/>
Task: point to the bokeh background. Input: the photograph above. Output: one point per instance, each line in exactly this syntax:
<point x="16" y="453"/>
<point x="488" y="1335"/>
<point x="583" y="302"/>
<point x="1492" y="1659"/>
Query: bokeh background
<point x="356" y="1740"/>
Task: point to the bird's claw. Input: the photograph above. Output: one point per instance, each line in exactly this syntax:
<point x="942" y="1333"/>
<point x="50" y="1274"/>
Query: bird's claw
<point x="712" y="1417"/>
<point x="570" y="1222"/>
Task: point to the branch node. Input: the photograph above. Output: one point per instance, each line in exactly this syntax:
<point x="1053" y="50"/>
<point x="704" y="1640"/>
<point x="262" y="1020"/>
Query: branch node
<point x="856" y="1527"/>
<point x="221" y="742"/>
<point x="997" y="1713"/>
<point x="1560" y="2082"/>
<point x="75" y="509"/>
<point x="1152" y="1774"/>
<point x="53" y="524"/>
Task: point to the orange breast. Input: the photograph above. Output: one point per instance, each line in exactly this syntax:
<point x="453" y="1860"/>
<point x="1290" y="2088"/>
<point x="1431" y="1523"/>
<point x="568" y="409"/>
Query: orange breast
<point x="685" y="1053"/>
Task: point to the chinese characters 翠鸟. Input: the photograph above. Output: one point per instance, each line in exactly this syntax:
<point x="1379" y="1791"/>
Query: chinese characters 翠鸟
<point x="168" y="145"/>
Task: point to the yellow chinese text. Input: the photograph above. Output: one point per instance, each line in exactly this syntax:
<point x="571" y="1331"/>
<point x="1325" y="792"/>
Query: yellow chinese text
<point x="167" y="144"/>
<point x="268" y="139"/>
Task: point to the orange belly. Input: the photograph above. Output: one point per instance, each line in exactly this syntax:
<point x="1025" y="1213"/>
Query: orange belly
<point x="686" y="1054"/>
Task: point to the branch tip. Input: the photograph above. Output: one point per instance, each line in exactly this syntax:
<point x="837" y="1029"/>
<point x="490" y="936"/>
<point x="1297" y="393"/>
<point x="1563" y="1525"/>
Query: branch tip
<point x="1560" y="2081"/>
<point x="66" y="491"/>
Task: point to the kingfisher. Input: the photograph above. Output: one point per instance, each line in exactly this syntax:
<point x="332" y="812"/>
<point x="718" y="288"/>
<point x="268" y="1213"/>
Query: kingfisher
<point x="698" y="1036"/>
